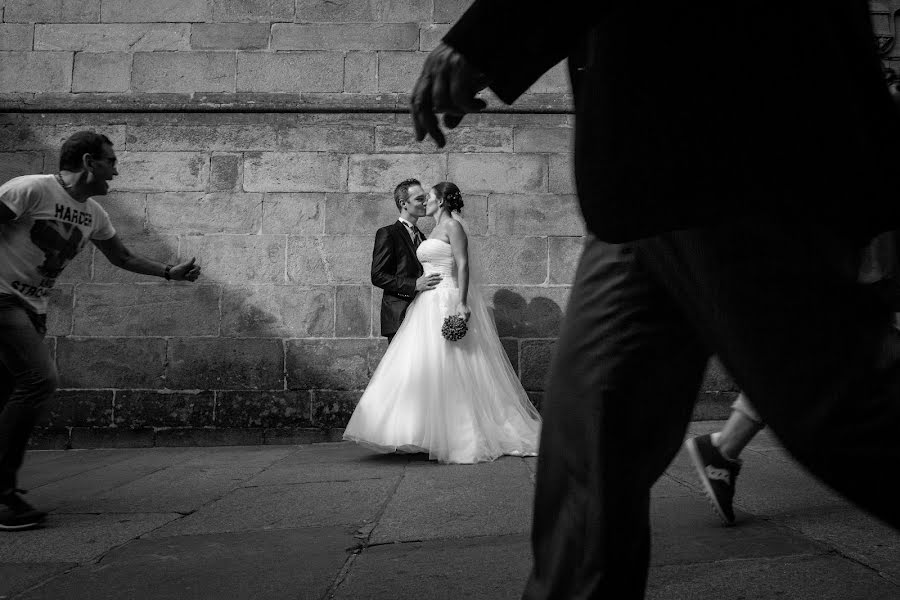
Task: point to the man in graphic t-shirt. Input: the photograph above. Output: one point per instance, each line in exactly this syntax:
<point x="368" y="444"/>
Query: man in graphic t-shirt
<point x="45" y="221"/>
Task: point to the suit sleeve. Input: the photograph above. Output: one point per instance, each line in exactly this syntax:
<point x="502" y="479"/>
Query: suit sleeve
<point x="514" y="42"/>
<point x="384" y="267"/>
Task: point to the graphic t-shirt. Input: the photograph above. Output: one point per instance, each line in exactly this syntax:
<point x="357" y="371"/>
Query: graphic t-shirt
<point x="49" y="230"/>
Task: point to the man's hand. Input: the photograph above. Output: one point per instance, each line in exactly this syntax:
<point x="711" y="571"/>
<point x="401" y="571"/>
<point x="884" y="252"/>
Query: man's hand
<point x="428" y="281"/>
<point x="186" y="271"/>
<point x="448" y="84"/>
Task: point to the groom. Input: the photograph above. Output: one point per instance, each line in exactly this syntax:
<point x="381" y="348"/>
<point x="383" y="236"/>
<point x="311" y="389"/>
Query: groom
<point x="395" y="268"/>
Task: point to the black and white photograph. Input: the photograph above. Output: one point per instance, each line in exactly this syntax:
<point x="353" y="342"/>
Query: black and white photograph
<point x="449" y="299"/>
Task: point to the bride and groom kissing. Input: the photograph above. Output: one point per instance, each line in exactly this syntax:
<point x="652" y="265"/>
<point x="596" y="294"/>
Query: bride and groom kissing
<point x="458" y="401"/>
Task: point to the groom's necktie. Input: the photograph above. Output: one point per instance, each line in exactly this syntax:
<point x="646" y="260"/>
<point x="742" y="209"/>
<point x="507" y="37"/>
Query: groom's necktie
<point x="418" y="236"/>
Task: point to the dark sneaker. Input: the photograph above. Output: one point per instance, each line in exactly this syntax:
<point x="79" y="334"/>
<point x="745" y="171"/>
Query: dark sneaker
<point x="16" y="514"/>
<point x="717" y="474"/>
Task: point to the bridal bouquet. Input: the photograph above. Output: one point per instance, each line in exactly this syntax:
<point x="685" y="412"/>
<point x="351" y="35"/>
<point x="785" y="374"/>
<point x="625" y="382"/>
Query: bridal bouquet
<point x="454" y="328"/>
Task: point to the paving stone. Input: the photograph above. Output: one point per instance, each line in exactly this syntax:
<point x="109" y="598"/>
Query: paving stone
<point x="67" y="464"/>
<point x="482" y="567"/>
<point x="187" y="485"/>
<point x="18" y="577"/>
<point x="331" y="462"/>
<point x="696" y="536"/>
<point x="78" y="538"/>
<point x="351" y="503"/>
<point x="801" y="578"/>
<point x="436" y="501"/>
<point x="255" y="565"/>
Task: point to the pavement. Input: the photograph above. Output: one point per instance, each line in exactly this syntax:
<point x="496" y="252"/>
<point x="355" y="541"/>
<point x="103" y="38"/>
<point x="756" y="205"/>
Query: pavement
<point x="335" y="521"/>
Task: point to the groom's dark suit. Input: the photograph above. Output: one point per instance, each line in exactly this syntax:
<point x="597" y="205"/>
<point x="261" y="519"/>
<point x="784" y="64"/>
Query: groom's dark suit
<point x="738" y="176"/>
<point x="395" y="269"/>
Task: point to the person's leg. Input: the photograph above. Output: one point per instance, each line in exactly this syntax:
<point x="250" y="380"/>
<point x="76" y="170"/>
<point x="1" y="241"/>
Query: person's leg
<point x="739" y="430"/>
<point x="715" y="456"/>
<point x="780" y="304"/>
<point x="28" y="365"/>
<point x="622" y="386"/>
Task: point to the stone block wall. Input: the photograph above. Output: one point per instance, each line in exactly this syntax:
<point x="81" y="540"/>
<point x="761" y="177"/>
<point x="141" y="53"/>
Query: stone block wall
<point x="264" y="138"/>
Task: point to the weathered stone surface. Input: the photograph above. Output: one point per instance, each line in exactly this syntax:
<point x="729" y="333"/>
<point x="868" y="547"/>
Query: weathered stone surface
<point x="59" y="311"/>
<point x="278" y="311"/>
<point x="150" y="37"/>
<point x="178" y="437"/>
<point x="493" y="498"/>
<point x="363" y="11"/>
<point x="262" y="409"/>
<point x="421" y="569"/>
<point x="225" y="172"/>
<point x="430" y="35"/>
<point x="398" y="71"/>
<point x="333" y="408"/>
<point x="346" y="36"/>
<point x="292" y="436"/>
<point x="111" y="362"/>
<point x="331" y="364"/>
<point x="541" y="214"/>
<point x="361" y="72"/>
<point x="237" y="258"/>
<point x="146" y="310"/>
<point x="36" y="71"/>
<point x="534" y="362"/>
<point x="362" y="213"/>
<point x="225" y="364"/>
<point x="401" y="138"/>
<point x="162" y="171"/>
<point x="556" y="140"/>
<point x="499" y="173"/>
<point x="102" y="72"/>
<point x="127" y="211"/>
<point x="290" y="72"/>
<point x="554" y="81"/>
<point x="51" y="11"/>
<point x="562" y="174"/>
<point x="296" y="214"/>
<point x="162" y="248"/>
<point x="16" y="36"/>
<point x="507" y="260"/>
<point x="79" y="409"/>
<point x="294" y="172"/>
<point x="511" y="347"/>
<point x="193" y="213"/>
<point x="382" y="172"/>
<point x="18" y="577"/>
<point x="717" y="378"/>
<point x="564" y="255"/>
<point x="45" y="135"/>
<point x="257" y="564"/>
<point x="263" y="11"/>
<point x="325" y="138"/>
<point x="173" y="72"/>
<point x="135" y="409"/>
<point x="161" y="11"/>
<point x="107" y="437"/>
<point x="448" y="11"/>
<point x="527" y="312"/>
<point x="15" y="164"/>
<point x="202" y="136"/>
<point x="230" y="36"/>
<point x="329" y="259"/>
<point x="353" y="318"/>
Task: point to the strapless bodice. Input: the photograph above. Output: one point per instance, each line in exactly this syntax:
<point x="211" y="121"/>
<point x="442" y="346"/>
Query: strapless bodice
<point x="436" y="256"/>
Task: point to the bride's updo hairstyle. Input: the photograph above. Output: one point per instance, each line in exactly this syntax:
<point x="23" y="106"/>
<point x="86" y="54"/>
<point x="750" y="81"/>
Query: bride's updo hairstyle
<point x="450" y="194"/>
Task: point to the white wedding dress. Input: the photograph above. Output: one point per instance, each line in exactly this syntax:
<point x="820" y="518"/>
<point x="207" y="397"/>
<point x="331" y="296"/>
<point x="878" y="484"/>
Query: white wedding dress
<point x="461" y="401"/>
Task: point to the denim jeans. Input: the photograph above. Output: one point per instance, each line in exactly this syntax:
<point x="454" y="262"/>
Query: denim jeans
<point x="27" y="381"/>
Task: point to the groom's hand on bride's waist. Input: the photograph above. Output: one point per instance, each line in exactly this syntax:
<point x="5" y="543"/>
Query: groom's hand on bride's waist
<point x="428" y="281"/>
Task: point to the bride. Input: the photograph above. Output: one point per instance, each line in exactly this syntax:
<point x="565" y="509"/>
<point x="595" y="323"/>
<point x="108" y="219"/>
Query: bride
<point x="459" y="401"/>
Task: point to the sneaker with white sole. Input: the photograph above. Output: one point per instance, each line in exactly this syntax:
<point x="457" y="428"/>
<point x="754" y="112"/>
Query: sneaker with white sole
<point x="717" y="474"/>
<point x="16" y="514"/>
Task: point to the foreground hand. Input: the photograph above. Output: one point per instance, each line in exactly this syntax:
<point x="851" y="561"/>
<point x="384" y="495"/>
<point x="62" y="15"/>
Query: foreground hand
<point x="428" y="281"/>
<point x="448" y="84"/>
<point x="186" y="271"/>
<point x="464" y="311"/>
